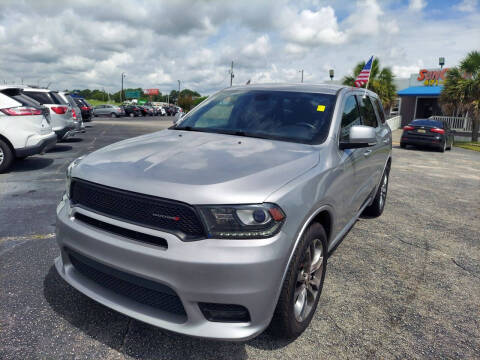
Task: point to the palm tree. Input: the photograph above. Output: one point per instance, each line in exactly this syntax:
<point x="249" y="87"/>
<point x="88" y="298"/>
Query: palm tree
<point x="461" y="91"/>
<point x="381" y="82"/>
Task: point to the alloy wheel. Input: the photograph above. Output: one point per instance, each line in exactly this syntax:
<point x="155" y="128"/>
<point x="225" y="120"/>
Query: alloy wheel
<point x="2" y="156"/>
<point x="308" y="281"/>
<point x="383" y="190"/>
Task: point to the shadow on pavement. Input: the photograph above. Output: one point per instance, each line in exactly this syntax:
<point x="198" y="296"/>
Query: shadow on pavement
<point x="72" y="140"/>
<point x="60" y="148"/>
<point x="30" y="163"/>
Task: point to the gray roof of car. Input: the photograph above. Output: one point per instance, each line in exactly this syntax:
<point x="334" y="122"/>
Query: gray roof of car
<point x="311" y="88"/>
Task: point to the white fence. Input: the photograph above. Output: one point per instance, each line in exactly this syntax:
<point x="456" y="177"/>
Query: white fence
<point x="456" y="123"/>
<point x="395" y="122"/>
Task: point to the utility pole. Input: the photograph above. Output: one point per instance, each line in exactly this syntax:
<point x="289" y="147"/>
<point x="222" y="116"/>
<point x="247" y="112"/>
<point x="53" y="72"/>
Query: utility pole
<point x="122" y="97"/>
<point x="178" y="96"/>
<point x="231" y="75"/>
<point x="301" y="71"/>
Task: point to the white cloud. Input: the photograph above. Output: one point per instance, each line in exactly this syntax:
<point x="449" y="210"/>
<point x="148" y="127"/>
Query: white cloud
<point x="417" y="5"/>
<point x="86" y="43"/>
<point x="366" y="20"/>
<point x="467" y="5"/>
<point x="311" y="28"/>
<point x="259" y="47"/>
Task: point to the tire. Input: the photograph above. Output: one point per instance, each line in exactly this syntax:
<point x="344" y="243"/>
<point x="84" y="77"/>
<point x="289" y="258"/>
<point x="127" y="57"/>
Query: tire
<point x="131" y="115"/>
<point x="6" y="156"/>
<point x="290" y="319"/>
<point x="112" y="115"/>
<point x="403" y="146"/>
<point x="444" y="147"/>
<point x="378" y="204"/>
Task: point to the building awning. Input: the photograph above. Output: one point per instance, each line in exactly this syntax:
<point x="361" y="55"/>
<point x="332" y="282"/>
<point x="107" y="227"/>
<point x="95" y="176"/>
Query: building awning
<point x="421" y="91"/>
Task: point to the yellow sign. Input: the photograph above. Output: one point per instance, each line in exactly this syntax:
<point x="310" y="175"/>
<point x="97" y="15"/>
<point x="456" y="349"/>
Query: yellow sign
<point x="321" y="108"/>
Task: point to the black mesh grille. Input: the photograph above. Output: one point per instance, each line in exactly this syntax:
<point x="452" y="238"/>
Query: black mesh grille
<point x="153" y="212"/>
<point x="138" y="289"/>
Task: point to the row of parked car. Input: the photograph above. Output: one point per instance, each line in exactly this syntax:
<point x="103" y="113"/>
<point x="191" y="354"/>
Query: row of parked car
<point x="134" y="110"/>
<point x="33" y="120"/>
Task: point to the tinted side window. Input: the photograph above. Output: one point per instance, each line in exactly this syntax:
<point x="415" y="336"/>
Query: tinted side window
<point x="380" y="110"/>
<point x="57" y="99"/>
<point x="350" y="117"/>
<point x="366" y="110"/>
<point x="41" y="97"/>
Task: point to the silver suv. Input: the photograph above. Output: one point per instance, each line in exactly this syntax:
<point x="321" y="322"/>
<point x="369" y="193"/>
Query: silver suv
<point x="222" y="224"/>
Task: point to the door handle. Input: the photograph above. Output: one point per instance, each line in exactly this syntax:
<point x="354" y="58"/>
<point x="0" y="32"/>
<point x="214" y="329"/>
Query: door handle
<point x="367" y="152"/>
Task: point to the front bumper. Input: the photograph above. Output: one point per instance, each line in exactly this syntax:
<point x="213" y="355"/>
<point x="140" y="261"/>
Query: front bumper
<point x="240" y="272"/>
<point x="40" y="145"/>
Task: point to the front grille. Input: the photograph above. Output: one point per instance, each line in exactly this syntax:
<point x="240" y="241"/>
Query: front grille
<point x="153" y="212"/>
<point x="117" y="230"/>
<point x="135" y="288"/>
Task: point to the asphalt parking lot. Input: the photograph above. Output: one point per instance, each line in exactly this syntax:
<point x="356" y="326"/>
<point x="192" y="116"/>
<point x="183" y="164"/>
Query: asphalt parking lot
<point x="405" y="285"/>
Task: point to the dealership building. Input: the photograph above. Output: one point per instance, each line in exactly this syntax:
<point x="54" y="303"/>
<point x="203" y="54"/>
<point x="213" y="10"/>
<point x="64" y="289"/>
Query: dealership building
<point x="418" y="97"/>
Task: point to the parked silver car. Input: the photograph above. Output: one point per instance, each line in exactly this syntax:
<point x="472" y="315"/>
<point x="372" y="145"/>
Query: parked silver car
<point x="60" y="112"/>
<point x="222" y="224"/>
<point x="108" y="110"/>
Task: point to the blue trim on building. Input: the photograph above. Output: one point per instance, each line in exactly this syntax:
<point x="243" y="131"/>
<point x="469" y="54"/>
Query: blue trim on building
<point x="421" y="91"/>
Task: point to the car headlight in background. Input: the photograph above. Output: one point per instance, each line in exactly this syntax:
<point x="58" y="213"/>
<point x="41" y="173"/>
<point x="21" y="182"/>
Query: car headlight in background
<point x="242" y="221"/>
<point x="70" y="168"/>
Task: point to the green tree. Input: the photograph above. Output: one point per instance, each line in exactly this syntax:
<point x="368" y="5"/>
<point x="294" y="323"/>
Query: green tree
<point x="381" y="82"/>
<point x="461" y="91"/>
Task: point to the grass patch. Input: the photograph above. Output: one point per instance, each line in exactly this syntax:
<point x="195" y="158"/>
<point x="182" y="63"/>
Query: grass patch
<point x="95" y="102"/>
<point x="475" y="146"/>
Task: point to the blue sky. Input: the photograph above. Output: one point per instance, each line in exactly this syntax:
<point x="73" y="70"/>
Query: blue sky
<point x="86" y="43"/>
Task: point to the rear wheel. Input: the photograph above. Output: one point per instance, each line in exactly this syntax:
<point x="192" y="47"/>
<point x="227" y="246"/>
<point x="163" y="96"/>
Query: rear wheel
<point x="444" y="147"/>
<point x="131" y="114"/>
<point x="302" y="286"/>
<point x="6" y="156"/>
<point x="378" y="204"/>
<point x="113" y="115"/>
<point x="403" y="146"/>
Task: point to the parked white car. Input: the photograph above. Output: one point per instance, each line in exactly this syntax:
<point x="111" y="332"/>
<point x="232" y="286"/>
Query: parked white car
<point x="60" y="111"/>
<point x="24" y="127"/>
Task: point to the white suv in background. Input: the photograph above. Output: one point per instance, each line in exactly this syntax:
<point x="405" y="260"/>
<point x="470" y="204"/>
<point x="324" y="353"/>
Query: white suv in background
<point x="24" y="127"/>
<point x="60" y="111"/>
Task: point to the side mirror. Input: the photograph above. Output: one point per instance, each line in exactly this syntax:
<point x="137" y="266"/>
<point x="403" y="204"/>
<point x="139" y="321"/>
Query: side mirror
<point x="178" y="116"/>
<point x="359" y="136"/>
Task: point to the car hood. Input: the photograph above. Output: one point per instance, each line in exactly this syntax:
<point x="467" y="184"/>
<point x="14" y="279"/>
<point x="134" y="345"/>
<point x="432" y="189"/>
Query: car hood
<point x="198" y="168"/>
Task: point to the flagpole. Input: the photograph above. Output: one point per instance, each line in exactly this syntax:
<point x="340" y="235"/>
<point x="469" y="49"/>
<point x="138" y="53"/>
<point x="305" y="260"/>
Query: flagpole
<point x="368" y="80"/>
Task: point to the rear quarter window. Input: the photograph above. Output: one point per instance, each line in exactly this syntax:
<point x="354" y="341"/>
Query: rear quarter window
<point x="41" y="97"/>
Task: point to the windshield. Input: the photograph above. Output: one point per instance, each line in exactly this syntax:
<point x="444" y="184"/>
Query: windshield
<point x="280" y="115"/>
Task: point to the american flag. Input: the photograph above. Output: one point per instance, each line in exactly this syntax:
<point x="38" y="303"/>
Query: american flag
<point x="364" y="75"/>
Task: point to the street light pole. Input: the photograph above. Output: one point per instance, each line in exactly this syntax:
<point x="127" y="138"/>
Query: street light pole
<point x="231" y="75"/>
<point x="301" y="71"/>
<point x="178" y="96"/>
<point x="122" y="97"/>
<point x="441" y="62"/>
<point x="331" y="73"/>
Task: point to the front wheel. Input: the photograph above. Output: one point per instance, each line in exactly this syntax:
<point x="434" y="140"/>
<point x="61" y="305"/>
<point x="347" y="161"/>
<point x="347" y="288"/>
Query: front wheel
<point x="302" y="285"/>
<point x="378" y="204"/>
<point x="6" y="156"/>
<point x="131" y="114"/>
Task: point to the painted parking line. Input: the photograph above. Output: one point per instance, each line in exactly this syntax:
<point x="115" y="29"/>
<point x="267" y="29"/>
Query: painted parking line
<point x="27" y="237"/>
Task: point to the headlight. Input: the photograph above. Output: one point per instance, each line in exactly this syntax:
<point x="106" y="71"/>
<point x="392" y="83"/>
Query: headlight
<point x="70" y="168"/>
<point x="242" y="221"/>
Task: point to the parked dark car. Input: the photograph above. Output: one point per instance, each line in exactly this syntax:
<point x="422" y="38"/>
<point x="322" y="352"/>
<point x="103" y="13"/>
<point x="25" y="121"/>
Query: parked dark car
<point x="426" y="132"/>
<point x="132" y="110"/>
<point x="144" y="110"/>
<point x="85" y="107"/>
<point x="150" y="110"/>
